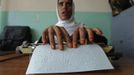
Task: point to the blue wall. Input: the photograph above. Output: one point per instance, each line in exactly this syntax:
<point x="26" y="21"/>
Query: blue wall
<point x="3" y="19"/>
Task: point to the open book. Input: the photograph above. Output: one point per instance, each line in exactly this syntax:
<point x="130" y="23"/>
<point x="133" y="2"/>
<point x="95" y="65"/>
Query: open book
<point x="84" y="58"/>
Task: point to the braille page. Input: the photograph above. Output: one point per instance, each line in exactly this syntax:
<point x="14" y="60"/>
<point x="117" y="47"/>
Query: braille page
<point x="84" y="58"/>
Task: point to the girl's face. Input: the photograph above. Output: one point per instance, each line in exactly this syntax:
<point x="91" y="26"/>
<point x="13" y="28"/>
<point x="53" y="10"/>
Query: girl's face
<point x="65" y="9"/>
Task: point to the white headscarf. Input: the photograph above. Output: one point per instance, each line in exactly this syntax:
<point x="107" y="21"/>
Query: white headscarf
<point x="70" y="25"/>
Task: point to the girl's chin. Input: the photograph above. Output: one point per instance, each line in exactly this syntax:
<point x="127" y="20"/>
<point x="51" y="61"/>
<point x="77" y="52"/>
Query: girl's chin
<point x="65" y="18"/>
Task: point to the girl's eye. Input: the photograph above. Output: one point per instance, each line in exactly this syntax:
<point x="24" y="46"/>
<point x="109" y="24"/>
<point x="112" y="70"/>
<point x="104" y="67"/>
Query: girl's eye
<point x="60" y="4"/>
<point x="69" y="5"/>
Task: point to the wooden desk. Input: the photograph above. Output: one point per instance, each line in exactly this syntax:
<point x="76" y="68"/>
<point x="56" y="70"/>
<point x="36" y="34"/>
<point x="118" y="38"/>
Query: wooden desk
<point x="18" y="66"/>
<point x="13" y="65"/>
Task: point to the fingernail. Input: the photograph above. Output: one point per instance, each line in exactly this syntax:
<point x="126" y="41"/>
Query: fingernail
<point x="61" y="47"/>
<point x="74" y="45"/>
<point x="43" y="43"/>
<point x="82" y="42"/>
<point x="91" y="40"/>
<point x="70" y="45"/>
<point x="53" y="47"/>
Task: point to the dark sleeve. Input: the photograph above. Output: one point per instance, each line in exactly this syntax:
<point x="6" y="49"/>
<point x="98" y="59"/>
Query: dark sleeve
<point x="40" y="40"/>
<point x="100" y="39"/>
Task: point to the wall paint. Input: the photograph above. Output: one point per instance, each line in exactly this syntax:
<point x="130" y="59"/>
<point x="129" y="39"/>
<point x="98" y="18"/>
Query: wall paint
<point x="50" y="5"/>
<point x="3" y="20"/>
<point x="3" y="14"/>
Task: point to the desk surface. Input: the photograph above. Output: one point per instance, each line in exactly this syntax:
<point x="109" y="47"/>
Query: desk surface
<point x="18" y="66"/>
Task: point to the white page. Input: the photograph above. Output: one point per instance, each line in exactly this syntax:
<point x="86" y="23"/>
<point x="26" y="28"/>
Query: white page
<point x="84" y="58"/>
